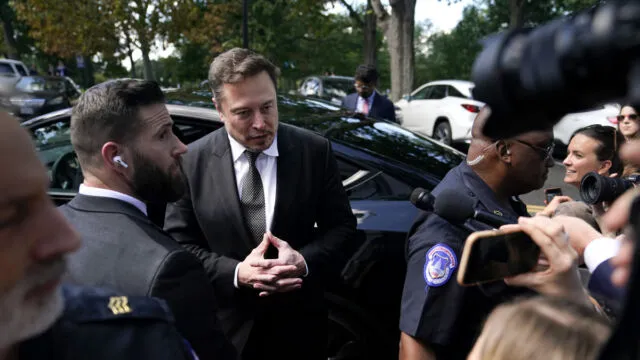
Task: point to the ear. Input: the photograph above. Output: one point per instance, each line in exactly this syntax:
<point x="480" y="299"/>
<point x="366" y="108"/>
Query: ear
<point x="109" y="151"/>
<point x="503" y="151"/>
<point x="604" y="167"/>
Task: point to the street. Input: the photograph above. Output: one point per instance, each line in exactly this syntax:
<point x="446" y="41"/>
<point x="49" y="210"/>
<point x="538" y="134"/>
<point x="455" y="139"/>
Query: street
<point x="556" y="174"/>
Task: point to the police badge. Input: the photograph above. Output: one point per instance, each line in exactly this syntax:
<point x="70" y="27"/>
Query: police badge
<point x="440" y="263"/>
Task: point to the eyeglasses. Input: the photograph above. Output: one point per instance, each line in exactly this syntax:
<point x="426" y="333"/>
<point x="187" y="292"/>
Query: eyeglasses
<point x="545" y="153"/>
<point x="630" y="116"/>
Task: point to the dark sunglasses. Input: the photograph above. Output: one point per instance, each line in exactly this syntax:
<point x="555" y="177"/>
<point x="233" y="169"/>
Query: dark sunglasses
<point x="630" y="116"/>
<point x="544" y="152"/>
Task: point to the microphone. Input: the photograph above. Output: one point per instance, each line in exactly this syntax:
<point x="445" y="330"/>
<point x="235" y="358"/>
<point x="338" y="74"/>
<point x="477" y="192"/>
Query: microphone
<point x="422" y="199"/>
<point x="458" y="208"/>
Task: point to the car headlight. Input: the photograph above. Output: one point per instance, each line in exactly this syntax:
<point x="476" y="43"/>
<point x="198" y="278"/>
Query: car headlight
<point x="56" y="101"/>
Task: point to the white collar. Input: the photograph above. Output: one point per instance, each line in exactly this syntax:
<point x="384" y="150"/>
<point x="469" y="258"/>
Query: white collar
<point x="238" y="149"/>
<point x="99" y="192"/>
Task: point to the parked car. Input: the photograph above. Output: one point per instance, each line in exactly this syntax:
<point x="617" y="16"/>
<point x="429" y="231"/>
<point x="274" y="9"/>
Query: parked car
<point x="602" y="114"/>
<point x="330" y="88"/>
<point x="36" y="95"/>
<point x="443" y="110"/>
<point x="10" y="73"/>
<point x="380" y="164"/>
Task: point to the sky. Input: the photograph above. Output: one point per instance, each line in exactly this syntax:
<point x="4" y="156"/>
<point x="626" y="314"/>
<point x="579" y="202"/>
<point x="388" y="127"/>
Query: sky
<point x="443" y="17"/>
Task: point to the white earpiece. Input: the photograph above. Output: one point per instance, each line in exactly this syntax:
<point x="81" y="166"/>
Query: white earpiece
<point x="508" y="152"/>
<point x="118" y="160"/>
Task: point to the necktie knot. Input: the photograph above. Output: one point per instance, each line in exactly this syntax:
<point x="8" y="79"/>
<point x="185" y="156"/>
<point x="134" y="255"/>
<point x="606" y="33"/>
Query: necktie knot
<point x="252" y="156"/>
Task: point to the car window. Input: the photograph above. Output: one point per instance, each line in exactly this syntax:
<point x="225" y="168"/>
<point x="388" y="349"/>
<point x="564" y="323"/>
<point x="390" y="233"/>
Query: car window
<point x="438" y="92"/>
<point x="52" y="142"/>
<point x="337" y="88"/>
<point x="311" y="87"/>
<point x="422" y="93"/>
<point x="188" y="132"/>
<point x="35" y="84"/>
<point x="6" y="69"/>
<point x="451" y="91"/>
<point x="365" y="184"/>
<point x="21" y="70"/>
<point x="71" y="90"/>
<point x="386" y="140"/>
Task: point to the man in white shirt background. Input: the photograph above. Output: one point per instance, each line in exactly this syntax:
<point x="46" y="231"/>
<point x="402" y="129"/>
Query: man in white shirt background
<point x="123" y="136"/>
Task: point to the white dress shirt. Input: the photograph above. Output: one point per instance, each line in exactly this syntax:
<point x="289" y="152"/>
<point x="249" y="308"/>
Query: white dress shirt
<point x="99" y="192"/>
<point x="599" y="251"/>
<point x="360" y="103"/>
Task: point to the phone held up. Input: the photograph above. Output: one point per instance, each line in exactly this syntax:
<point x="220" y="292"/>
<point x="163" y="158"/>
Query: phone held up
<point x="496" y="254"/>
<point x="550" y="193"/>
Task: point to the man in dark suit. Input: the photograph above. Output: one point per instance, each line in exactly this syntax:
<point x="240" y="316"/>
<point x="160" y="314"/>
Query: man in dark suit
<point x="366" y="99"/>
<point x="122" y="134"/>
<point x="251" y="186"/>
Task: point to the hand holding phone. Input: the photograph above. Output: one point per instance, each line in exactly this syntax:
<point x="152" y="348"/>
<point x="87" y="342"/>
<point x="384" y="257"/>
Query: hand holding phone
<point x="496" y="254"/>
<point x="550" y="193"/>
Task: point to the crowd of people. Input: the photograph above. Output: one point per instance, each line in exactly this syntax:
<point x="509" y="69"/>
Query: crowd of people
<point x="257" y="220"/>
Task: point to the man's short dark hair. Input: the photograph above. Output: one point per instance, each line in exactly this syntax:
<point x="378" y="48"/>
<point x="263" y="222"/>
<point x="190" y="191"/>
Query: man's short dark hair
<point x="235" y="65"/>
<point x="110" y="112"/>
<point x="367" y="74"/>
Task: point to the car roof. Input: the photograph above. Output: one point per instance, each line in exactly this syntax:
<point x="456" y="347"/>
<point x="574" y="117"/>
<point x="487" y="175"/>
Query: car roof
<point x="451" y="82"/>
<point x="12" y="61"/>
<point x="331" y="77"/>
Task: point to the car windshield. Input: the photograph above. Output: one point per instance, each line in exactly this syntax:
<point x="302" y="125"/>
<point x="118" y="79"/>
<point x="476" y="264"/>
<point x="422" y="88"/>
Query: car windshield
<point x="39" y="84"/>
<point x="337" y="87"/>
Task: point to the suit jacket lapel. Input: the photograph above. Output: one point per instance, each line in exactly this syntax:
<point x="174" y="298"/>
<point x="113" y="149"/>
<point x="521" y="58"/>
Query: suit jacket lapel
<point x="289" y="160"/>
<point x="223" y="176"/>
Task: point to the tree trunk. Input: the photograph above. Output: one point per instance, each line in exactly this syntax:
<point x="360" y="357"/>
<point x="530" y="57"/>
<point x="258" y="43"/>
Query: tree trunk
<point x="516" y="14"/>
<point x="130" y="54"/>
<point x="148" y="69"/>
<point x="9" y="33"/>
<point x="370" y="37"/>
<point x="399" y="30"/>
<point x="90" y="79"/>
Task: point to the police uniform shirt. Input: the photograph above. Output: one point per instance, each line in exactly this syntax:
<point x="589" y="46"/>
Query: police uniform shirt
<point x="99" y="324"/>
<point x="435" y="309"/>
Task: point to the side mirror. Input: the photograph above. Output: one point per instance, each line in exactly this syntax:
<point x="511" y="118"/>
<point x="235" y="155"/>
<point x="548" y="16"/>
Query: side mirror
<point x="407" y="97"/>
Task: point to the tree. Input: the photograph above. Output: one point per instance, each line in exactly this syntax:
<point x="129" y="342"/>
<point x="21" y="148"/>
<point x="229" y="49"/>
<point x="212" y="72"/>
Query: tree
<point x="367" y="22"/>
<point x="398" y="28"/>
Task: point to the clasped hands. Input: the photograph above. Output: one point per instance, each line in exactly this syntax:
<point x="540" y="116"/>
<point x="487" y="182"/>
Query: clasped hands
<point x="270" y="276"/>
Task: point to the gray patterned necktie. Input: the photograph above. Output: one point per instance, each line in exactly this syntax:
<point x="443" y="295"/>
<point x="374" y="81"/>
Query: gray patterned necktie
<point x="252" y="198"/>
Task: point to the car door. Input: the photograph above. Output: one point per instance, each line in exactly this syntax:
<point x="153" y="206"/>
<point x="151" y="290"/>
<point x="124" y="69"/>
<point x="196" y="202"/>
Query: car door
<point x="412" y="112"/>
<point x="432" y="108"/>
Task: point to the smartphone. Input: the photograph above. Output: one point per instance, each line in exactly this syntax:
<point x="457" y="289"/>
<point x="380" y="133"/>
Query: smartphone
<point x="495" y="254"/>
<point x="550" y="193"/>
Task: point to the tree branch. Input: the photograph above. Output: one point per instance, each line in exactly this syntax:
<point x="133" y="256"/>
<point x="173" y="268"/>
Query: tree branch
<point x="381" y="14"/>
<point x="352" y="13"/>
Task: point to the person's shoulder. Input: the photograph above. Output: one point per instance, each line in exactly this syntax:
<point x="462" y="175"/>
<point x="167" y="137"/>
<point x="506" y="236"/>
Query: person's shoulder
<point x="289" y="133"/>
<point x="90" y="304"/>
<point x="384" y="99"/>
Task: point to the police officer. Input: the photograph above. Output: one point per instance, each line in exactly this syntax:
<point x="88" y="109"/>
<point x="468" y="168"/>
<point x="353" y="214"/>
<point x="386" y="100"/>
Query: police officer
<point x="39" y="319"/>
<point x="440" y="319"/>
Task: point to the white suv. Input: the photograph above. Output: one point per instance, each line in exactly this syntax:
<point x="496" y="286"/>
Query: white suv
<point x="443" y="110"/>
<point x="603" y="115"/>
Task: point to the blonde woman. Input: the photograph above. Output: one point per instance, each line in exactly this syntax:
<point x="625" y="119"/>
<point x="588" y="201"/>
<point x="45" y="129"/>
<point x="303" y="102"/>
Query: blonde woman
<point x="542" y="328"/>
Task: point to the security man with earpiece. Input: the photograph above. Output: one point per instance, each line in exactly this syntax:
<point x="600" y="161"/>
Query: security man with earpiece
<point x="130" y="157"/>
<point x="439" y="318"/>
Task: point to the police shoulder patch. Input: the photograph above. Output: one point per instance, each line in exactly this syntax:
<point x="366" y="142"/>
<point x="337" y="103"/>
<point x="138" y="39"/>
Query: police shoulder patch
<point x="440" y="263"/>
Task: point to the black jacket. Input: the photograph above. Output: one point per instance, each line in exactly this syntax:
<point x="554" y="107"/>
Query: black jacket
<point x="124" y="251"/>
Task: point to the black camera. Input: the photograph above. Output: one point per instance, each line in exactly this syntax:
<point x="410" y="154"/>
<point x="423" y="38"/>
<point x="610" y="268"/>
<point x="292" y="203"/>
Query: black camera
<point x="596" y="188"/>
<point x="531" y="78"/>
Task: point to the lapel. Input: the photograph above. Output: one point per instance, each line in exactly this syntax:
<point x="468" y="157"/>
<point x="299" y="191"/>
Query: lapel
<point x="373" y="109"/>
<point x="108" y="205"/>
<point x="222" y="175"/>
<point x="288" y="174"/>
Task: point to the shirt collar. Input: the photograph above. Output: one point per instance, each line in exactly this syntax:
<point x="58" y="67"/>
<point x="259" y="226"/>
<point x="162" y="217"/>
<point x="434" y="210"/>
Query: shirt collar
<point x="99" y="192"/>
<point x="238" y="149"/>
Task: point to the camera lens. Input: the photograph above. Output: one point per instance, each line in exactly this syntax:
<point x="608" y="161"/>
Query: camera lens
<point x="596" y="188"/>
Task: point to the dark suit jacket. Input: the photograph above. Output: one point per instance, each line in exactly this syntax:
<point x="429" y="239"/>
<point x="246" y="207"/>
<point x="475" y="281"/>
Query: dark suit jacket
<point x="382" y="107"/>
<point x="601" y="287"/>
<point x="123" y="250"/>
<point x="209" y="221"/>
